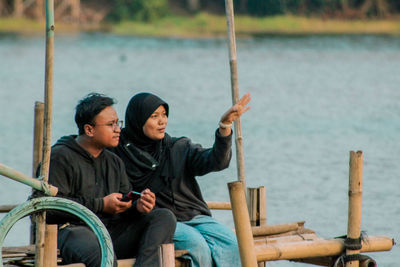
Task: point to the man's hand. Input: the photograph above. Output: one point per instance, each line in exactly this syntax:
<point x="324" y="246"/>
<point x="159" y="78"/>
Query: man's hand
<point x="113" y="204"/>
<point x="146" y="202"/>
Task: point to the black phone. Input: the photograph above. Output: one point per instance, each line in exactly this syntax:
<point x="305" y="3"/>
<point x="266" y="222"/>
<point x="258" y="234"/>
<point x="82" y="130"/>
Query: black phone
<point x="132" y="195"/>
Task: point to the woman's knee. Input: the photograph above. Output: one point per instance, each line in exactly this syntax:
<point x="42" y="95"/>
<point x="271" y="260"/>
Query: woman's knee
<point x="187" y="237"/>
<point x="199" y="251"/>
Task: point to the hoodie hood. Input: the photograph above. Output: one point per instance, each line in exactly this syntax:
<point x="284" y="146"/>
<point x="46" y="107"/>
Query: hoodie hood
<point x="70" y="141"/>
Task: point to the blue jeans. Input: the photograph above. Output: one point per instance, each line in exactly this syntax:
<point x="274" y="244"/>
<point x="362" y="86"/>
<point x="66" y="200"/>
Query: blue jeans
<point x="209" y="242"/>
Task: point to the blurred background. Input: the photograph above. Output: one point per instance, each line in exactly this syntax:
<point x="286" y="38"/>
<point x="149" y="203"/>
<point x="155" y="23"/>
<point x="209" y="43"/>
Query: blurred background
<point x="204" y="17"/>
<point x="323" y="75"/>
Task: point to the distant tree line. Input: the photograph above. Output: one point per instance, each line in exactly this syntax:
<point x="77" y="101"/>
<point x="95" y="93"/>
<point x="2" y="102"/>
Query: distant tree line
<point x="148" y="10"/>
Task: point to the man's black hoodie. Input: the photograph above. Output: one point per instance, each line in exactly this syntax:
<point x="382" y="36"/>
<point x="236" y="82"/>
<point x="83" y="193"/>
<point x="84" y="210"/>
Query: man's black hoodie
<point x="85" y="179"/>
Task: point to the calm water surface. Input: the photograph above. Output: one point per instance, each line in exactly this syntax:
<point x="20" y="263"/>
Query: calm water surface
<point x="314" y="99"/>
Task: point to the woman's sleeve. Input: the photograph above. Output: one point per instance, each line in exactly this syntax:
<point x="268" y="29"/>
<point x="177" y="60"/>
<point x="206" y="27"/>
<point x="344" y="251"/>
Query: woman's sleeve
<point x="201" y="161"/>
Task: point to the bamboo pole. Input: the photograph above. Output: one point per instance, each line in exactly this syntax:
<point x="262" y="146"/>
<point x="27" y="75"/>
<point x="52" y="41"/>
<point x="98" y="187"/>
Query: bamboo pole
<point x="37" y="136"/>
<point x="50" y="246"/>
<point x="355" y="202"/>
<point x="262" y="205"/>
<point x="252" y="205"/>
<point x="256" y="202"/>
<point x="215" y="205"/>
<point x="167" y="255"/>
<point x="317" y="248"/>
<point x="37" y="156"/>
<point x="266" y="240"/>
<point x="22" y="178"/>
<point x="242" y="224"/>
<point x="235" y="88"/>
<point x="274" y="229"/>
<point x="48" y="96"/>
<point x="48" y="101"/>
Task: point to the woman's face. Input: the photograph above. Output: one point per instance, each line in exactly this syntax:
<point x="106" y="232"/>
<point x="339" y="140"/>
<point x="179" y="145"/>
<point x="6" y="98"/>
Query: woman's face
<point x="154" y="128"/>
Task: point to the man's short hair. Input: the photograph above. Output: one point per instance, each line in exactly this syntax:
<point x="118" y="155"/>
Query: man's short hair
<point x="89" y="107"/>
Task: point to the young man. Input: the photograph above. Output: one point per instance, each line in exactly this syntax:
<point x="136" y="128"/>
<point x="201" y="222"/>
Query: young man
<point x="84" y="171"/>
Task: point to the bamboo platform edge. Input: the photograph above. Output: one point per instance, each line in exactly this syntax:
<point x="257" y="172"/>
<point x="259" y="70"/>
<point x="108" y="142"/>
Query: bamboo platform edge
<point x="317" y="248"/>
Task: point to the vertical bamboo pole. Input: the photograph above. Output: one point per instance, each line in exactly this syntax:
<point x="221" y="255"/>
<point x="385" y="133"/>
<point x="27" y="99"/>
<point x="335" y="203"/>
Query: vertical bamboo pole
<point x="252" y="205"/>
<point x="48" y="101"/>
<point x="166" y="255"/>
<point x="262" y="212"/>
<point x="256" y="202"/>
<point x="262" y="200"/>
<point x="235" y="88"/>
<point x="50" y="246"/>
<point x="242" y="224"/>
<point x="37" y="151"/>
<point x="355" y="202"/>
<point x="37" y="136"/>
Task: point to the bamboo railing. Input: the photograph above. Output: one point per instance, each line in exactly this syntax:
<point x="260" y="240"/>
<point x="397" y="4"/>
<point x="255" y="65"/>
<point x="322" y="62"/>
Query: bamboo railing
<point x="235" y="88"/>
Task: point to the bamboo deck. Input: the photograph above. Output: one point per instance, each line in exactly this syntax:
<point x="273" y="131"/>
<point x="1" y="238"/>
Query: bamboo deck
<point x="290" y="241"/>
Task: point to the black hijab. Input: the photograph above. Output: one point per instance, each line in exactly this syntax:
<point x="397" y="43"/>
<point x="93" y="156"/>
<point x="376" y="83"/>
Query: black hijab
<point x="147" y="161"/>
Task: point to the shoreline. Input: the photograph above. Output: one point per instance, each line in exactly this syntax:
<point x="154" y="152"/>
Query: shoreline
<point x="204" y="26"/>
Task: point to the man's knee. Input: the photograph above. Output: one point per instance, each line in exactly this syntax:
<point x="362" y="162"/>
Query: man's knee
<point x="79" y="244"/>
<point x="164" y="217"/>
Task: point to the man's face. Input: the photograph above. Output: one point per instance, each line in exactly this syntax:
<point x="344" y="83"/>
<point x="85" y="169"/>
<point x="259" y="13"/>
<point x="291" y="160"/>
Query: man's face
<point x="105" y="129"/>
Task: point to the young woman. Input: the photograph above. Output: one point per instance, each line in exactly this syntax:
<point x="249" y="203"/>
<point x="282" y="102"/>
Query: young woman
<point x="168" y="167"/>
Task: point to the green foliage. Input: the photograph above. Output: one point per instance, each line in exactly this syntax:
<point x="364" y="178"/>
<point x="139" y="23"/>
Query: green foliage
<point x="140" y="10"/>
<point x="265" y="7"/>
<point x="310" y="6"/>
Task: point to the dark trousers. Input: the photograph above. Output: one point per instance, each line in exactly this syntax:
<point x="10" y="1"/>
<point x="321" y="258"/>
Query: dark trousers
<point x="138" y="238"/>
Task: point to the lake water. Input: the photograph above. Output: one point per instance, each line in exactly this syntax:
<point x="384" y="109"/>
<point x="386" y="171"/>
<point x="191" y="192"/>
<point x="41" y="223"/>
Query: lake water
<point x="314" y="99"/>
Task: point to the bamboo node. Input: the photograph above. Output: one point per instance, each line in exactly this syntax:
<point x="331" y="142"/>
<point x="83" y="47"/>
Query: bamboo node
<point x="355" y="192"/>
